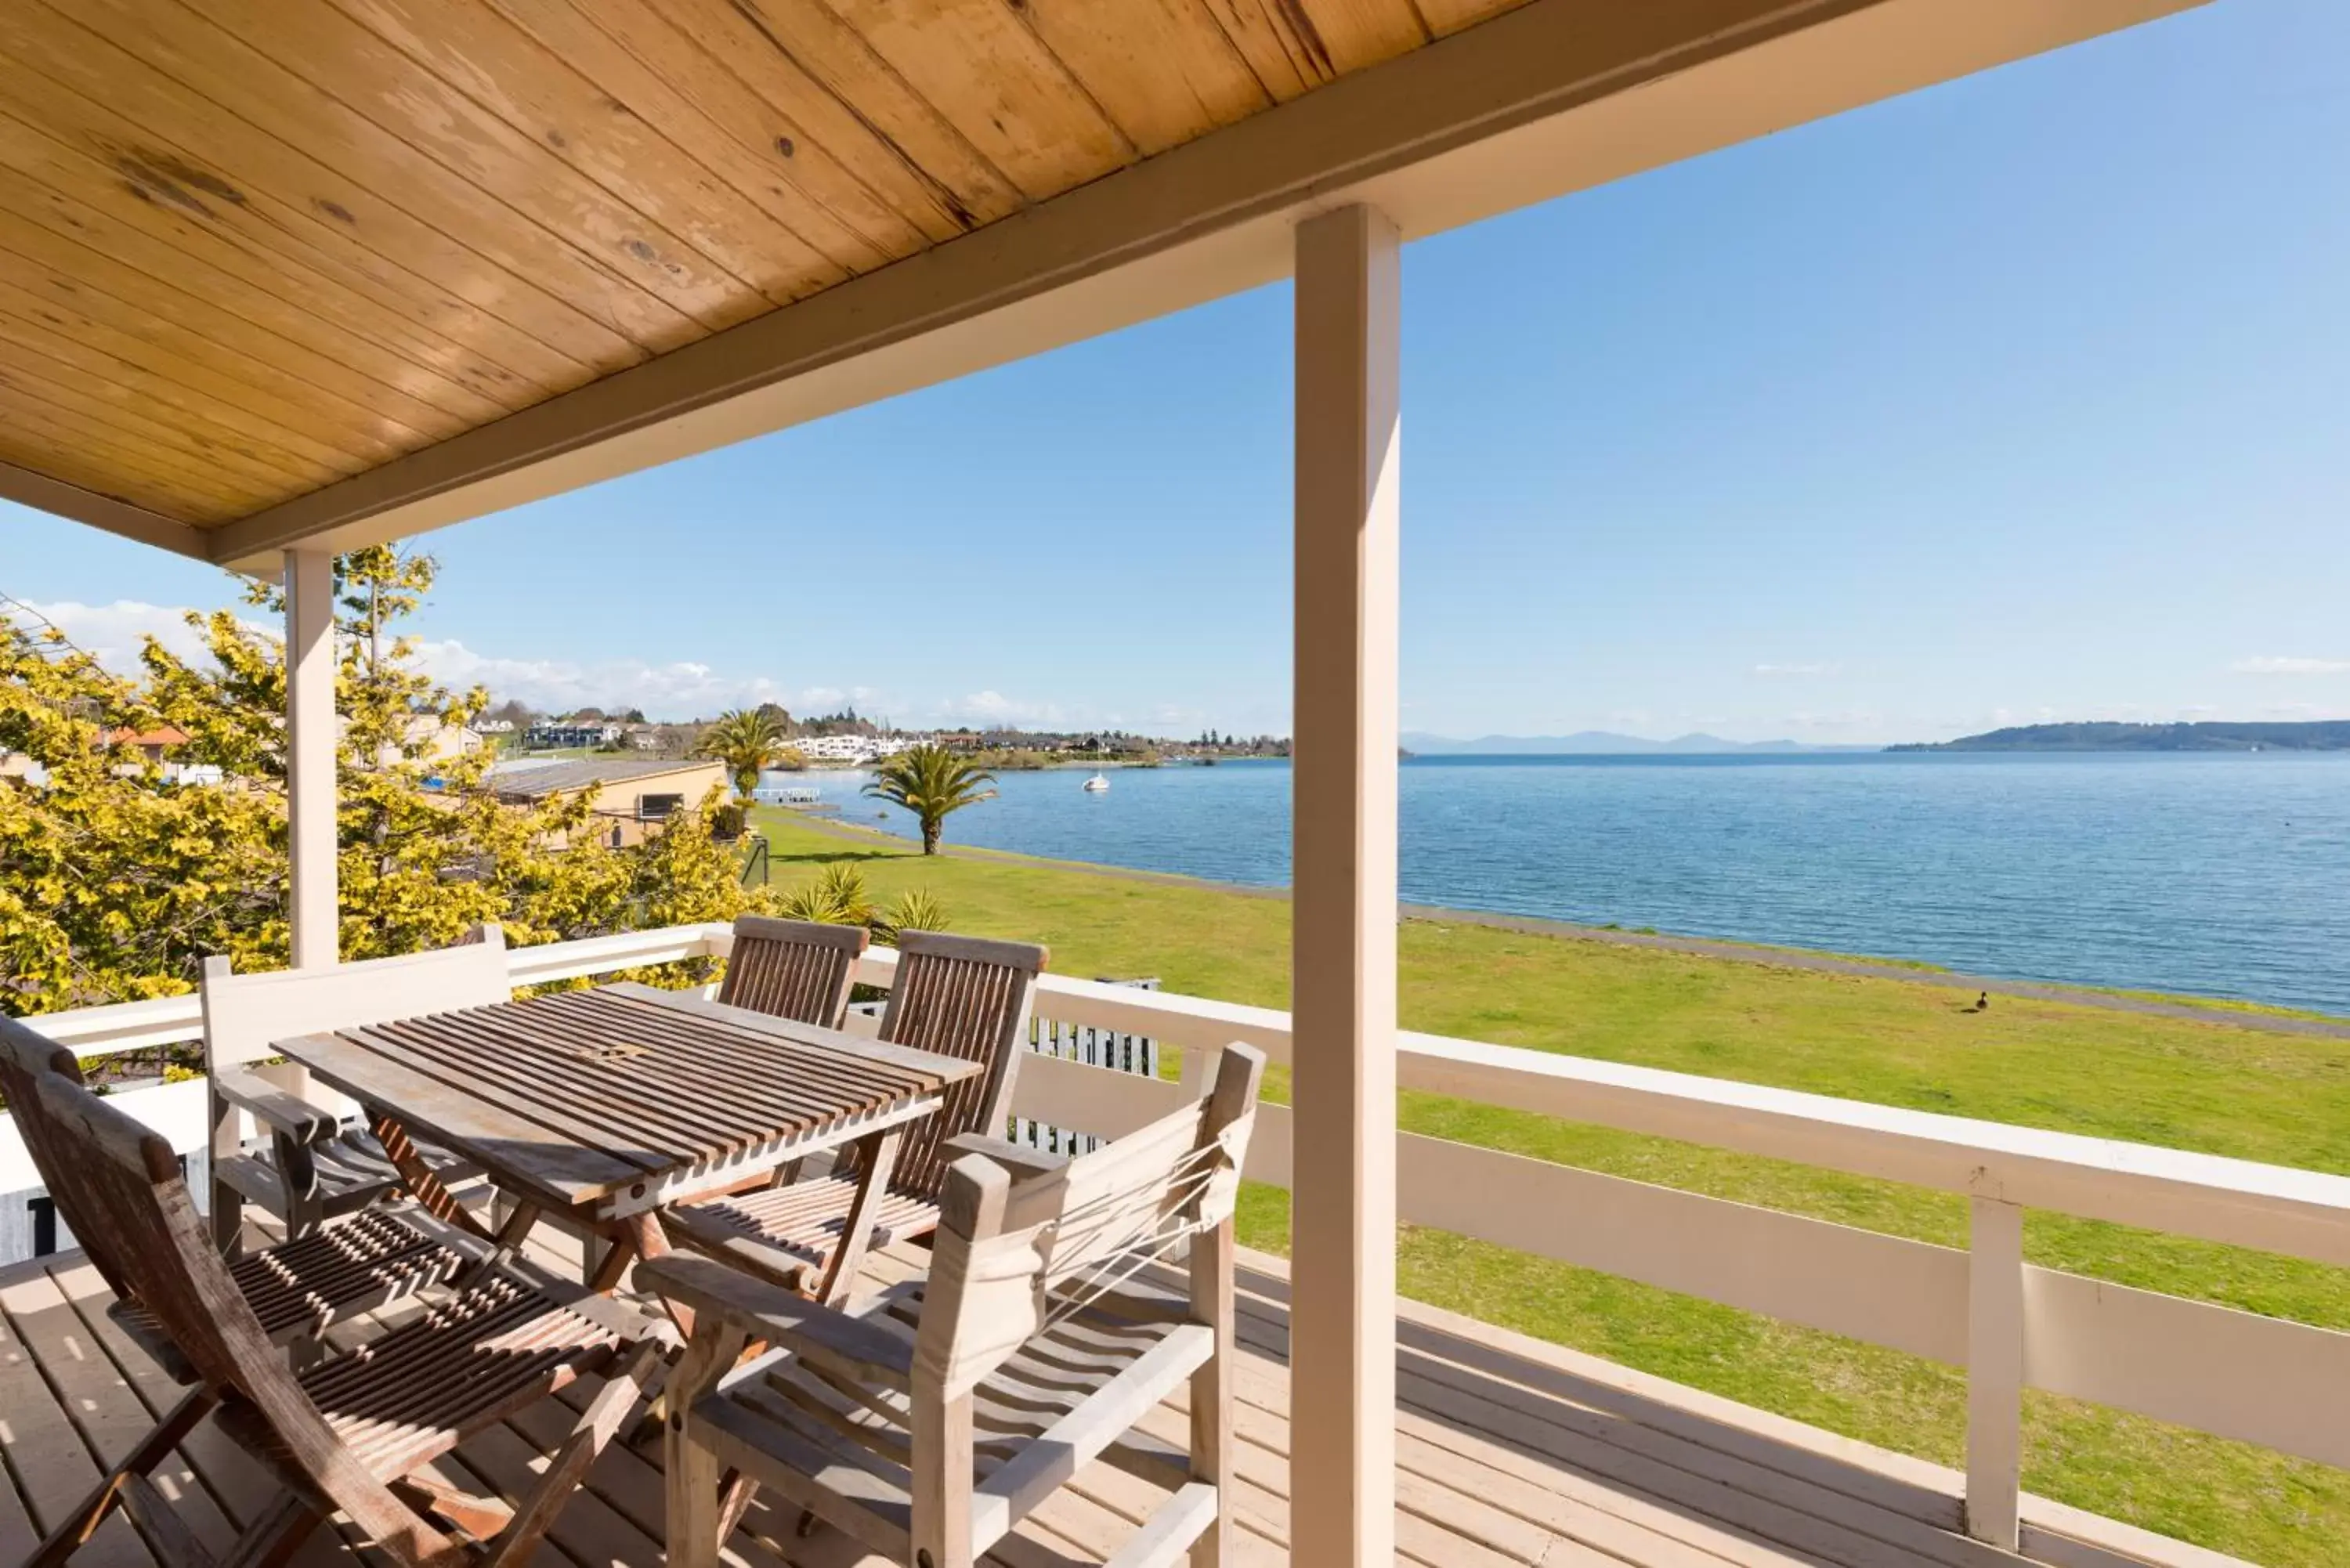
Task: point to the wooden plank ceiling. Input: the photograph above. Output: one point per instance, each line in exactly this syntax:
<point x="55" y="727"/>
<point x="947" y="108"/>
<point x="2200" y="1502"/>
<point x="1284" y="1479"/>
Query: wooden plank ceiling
<point x="248" y="247"/>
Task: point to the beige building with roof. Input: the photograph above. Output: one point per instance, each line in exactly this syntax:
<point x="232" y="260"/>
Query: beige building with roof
<point x="631" y="797"/>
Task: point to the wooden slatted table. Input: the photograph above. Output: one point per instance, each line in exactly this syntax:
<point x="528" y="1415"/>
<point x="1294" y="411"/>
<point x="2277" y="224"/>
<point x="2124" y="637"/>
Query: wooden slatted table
<point x="609" y="1105"/>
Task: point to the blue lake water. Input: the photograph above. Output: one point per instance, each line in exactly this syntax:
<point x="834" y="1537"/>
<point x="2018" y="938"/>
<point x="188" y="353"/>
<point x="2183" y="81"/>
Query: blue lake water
<point x="2219" y="875"/>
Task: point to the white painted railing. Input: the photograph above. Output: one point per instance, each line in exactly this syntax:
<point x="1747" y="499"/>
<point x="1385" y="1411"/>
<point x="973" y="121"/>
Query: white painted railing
<point x="178" y="1110"/>
<point x="2012" y="1325"/>
<point x="2264" y="1380"/>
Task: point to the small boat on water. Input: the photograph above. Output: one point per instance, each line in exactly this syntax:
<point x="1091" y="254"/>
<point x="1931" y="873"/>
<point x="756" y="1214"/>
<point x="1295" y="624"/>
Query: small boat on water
<point x="1097" y="786"/>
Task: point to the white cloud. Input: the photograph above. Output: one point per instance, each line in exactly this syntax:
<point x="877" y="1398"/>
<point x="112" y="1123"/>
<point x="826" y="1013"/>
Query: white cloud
<point x="682" y="689"/>
<point x="2282" y="665"/>
<point x="994" y="709"/>
<point x="1796" y="670"/>
<point x="113" y="634"/>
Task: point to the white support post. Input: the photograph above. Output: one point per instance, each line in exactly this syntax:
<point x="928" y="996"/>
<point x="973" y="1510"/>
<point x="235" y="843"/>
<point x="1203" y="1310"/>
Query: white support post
<point x="1994" y="1371"/>
<point x="310" y="754"/>
<point x="1343" y="985"/>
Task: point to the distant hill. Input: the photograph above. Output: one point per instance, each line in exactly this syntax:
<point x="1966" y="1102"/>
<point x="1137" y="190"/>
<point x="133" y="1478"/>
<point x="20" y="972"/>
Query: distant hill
<point x="1599" y="742"/>
<point x="2325" y="735"/>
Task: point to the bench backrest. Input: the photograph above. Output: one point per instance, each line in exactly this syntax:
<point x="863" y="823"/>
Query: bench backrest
<point x="243" y="1013"/>
<point x="792" y="969"/>
<point x="969" y="999"/>
<point x="1013" y="1256"/>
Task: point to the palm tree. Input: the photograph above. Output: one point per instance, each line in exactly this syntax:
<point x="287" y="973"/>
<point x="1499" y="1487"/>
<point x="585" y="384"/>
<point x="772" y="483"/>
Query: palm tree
<point x="930" y="782"/>
<point x="747" y="741"/>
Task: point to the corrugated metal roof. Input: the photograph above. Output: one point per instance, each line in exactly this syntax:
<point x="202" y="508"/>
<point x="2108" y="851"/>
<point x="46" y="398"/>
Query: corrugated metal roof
<point x="533" y="780"/>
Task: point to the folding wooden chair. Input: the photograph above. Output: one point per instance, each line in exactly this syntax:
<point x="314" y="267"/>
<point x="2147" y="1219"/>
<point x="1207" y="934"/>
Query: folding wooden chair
<point x="357" y="1433"/>
<point x="928" y="1424"/>
<point x="792" y="969"/>
<point x="957" y="996"/>
<point x="297" y="1290"/>
<point x="318" y="1170"/>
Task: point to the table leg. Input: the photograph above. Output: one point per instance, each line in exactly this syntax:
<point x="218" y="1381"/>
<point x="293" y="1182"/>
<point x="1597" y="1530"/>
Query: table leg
<point x="518" y="1225"/>
<point x="512" y="1231"/>
<point x="436" y="1200"/>
<point x="619" y="1251"/>
<point x="649" y="1240"/>
<point x="876" y="1156"/>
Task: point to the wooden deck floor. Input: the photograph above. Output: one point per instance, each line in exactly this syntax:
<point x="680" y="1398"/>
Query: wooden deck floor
<point x="1509" y="1453"/>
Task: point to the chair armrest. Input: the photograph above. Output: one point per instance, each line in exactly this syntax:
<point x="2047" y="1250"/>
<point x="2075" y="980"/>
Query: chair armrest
<point x="863" y="1349"/>
<point x="1022" y="1163"/>
<point x="280" y="1112"/>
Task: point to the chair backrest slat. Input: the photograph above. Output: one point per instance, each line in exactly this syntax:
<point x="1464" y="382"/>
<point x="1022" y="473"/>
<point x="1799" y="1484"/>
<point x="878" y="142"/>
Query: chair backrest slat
<point x="792" y="969"/>
<point x="24" y="1056"/>
<point x="245" y="1013"/>
<point x="969" y="999"/>
<point x="1010" y="1255"/>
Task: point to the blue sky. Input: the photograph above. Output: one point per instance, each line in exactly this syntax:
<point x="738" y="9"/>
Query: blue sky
<point x="2018" y="398"/>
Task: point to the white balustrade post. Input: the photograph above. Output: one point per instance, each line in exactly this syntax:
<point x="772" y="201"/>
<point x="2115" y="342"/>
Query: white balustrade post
<point x="1343" y="914"/>
<point x="1994" y="1371"/>
<point x="310" y="666"/>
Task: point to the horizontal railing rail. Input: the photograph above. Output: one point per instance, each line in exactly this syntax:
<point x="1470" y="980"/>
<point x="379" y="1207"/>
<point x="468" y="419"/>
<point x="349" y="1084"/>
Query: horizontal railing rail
<point x="2010" y="1324"/>
<point x="177" y="1110"/>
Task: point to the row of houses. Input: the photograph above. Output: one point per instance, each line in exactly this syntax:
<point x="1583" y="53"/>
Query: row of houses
<point x="598" y="734"/>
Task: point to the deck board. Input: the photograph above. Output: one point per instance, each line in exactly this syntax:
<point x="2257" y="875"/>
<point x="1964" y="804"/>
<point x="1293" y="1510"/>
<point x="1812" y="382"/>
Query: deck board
<point x="1509" y="1453"/>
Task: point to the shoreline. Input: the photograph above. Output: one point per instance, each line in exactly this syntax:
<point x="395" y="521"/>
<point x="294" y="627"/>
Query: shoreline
<point x="2193" y="1009"/>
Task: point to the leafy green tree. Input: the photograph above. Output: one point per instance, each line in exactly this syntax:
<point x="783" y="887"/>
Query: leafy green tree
<point x="748" y="740"/>
<point x="114" y="882"/>
<point x="117" y="880"/>
<point x="931" y="781"/>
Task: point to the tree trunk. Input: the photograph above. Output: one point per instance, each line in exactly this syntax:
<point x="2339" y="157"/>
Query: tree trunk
<point x="931" y="832"/>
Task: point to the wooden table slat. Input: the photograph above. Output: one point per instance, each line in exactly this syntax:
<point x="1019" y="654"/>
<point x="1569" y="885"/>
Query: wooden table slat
<point x="554" y="1117"/>
<point x="447" y="1112"/>
<point x="800" y="1086"/>
<point x="624" y="1096"/>
<point x="920" y="1063"/>
<point x="804" y="1086"/>
<point x="521" y="1065"/>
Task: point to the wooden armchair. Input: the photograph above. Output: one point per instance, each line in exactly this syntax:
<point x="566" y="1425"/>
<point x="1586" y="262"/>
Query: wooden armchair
<point x="298" y="1288"/>
<point x="957" y="996"/>
<point x="318" y="1170"/>
<point x="928" y="1424"/>
<point x="358" y="1433"/>
<point x="792" y="969"/>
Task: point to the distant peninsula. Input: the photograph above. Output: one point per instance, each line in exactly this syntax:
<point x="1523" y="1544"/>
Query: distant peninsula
<point x="2325" y="735"/>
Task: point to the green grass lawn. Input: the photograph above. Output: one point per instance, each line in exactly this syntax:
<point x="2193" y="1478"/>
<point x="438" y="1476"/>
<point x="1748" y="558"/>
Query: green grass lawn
<point x="2210" y="1086"/>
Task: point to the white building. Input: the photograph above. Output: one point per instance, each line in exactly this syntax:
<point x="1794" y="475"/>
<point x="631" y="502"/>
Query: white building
<point x="848" y="748"/>
<point x="543" y="736"/>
